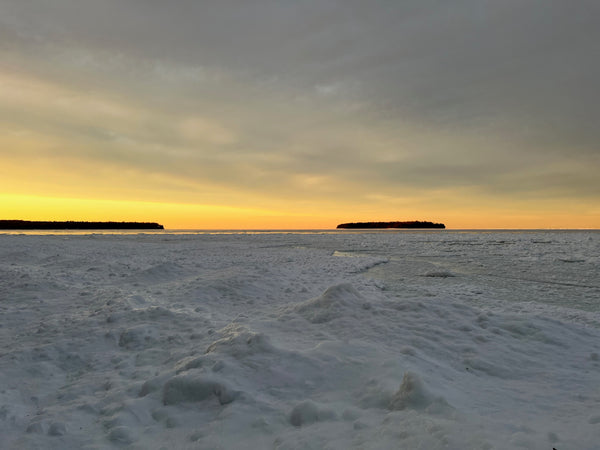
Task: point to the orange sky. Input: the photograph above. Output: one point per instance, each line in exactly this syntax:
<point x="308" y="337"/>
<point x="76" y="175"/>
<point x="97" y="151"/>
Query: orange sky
<point x="192" y="216"/>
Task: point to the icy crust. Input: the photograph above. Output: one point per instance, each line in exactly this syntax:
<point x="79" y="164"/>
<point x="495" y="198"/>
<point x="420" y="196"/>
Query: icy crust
<point x="277" y="342"/>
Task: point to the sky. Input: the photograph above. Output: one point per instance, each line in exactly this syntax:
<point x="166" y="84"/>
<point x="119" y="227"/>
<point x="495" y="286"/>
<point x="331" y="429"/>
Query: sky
<point x="301" y="114"/>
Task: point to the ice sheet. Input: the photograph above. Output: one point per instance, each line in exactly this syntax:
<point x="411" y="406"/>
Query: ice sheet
<point x="423" y="340"/>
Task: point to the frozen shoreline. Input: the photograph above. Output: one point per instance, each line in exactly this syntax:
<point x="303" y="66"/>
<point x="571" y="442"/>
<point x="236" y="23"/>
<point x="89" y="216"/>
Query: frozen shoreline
<point x="300" y="341"/>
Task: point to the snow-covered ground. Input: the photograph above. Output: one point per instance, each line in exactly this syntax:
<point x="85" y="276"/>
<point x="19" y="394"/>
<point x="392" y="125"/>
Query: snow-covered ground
<point x="386" y="340"/>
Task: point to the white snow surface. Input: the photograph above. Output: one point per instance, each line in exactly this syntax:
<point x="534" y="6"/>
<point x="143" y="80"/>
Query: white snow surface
<point x="382" y="340"/>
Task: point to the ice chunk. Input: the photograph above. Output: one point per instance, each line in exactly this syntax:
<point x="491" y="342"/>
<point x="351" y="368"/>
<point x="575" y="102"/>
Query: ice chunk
<point x="138" y="337"/>
<point x="412" y="394"/>
<point x="35" y="427"/>
<point x="239" y="342"/>
<point x="439" y="274"/>
<point x="594" y="419"/>
<point x="308" y="412"/>
<point x="122" y="435"/>
<point x="57" y="429"/>
<point x="188" y="388"/>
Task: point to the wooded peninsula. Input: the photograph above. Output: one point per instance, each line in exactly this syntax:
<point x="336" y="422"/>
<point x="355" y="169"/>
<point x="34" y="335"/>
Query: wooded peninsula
<point x="73" y="225"/>
<point x="379" y="225"/>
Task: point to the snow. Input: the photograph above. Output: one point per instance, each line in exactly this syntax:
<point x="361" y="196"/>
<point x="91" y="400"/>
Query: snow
<point x="417" y="340"/>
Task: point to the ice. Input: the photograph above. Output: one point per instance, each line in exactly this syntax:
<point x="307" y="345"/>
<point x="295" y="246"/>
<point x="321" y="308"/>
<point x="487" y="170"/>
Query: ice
<point x="335" y="301"/>
<point x="417" y="340"/>
<point x="413" y="394"/>
<point x="439" y="274"/>
<point x="188" y="388"/>
<point x="307" y="412"/>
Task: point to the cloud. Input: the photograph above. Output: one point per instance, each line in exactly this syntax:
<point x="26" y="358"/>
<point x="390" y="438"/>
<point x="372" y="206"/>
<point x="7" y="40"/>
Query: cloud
<point x="205" y="130"/>
<point x="279" y="99"/>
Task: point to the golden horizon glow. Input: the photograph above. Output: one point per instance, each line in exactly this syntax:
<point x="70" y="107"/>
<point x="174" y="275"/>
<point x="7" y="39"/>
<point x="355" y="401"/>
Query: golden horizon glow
<point x="175" y="216"/>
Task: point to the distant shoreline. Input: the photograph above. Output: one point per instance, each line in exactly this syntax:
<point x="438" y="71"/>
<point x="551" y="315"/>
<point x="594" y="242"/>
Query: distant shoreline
<point x="396" y="224"/>
<point x="74" y="225"/>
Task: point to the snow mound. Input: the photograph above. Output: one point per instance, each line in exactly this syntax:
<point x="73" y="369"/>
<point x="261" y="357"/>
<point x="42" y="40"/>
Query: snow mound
<point x="593" y="420"/>
<point x="191" y="362"/>
<point x="307" y="412"/>
<point x="57" y="429"/>
<point x="190" y="388"/>
<point x="412" y="394"/>
<point x="136" y="301"/>
<point x="239" y="342"/>
<point x="333" y="303"/>
<point x="122" y="435"/>
<point x="157" y="273"/>
<point x="138" y="337"/>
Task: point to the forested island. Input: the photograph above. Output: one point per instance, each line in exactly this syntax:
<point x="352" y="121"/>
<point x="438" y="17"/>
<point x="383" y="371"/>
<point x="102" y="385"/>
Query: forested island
<point x="410" y="224"/>
<point x="73" y="225"/>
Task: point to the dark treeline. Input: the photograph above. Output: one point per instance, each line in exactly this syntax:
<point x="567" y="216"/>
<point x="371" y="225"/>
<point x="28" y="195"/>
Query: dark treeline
<point x="410" y="224"/>
<point x="73" y="225"/>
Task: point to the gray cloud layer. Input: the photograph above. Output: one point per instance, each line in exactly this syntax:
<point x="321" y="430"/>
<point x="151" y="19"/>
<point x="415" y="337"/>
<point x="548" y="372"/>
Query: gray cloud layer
<point x="500" y="95"/>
